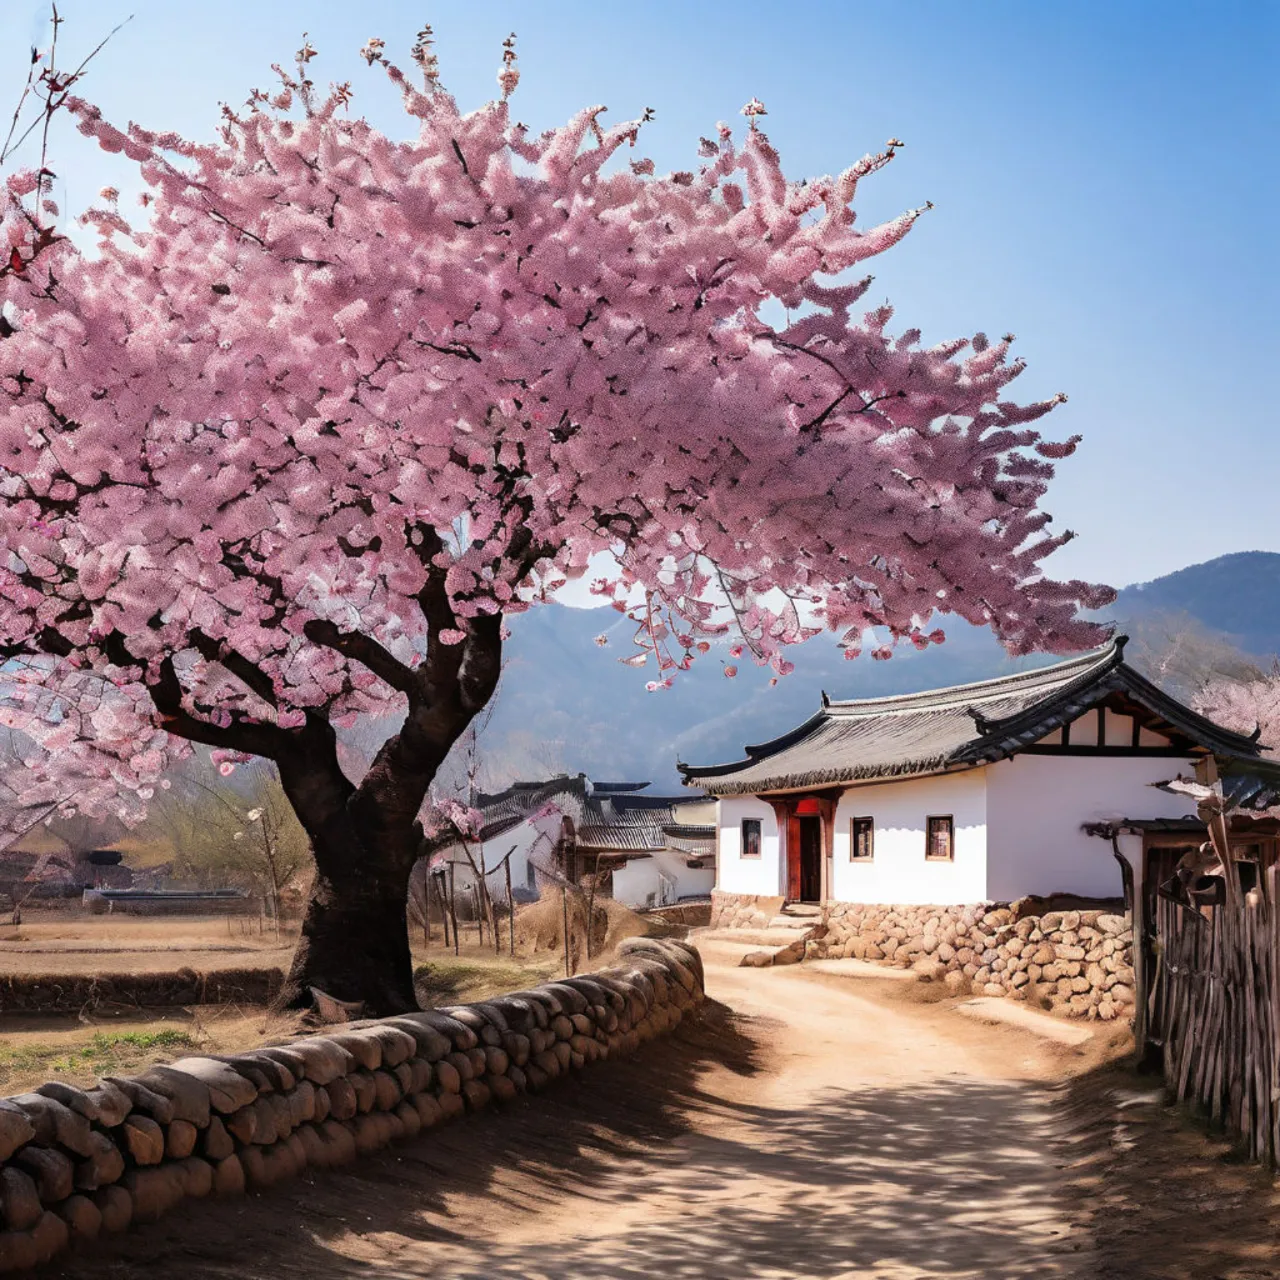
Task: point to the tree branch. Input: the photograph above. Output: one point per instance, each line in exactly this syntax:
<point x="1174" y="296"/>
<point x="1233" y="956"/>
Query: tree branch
<point x="364" y="650"/>
<point x="248" y="673"/>
<point x="253" y="739"/>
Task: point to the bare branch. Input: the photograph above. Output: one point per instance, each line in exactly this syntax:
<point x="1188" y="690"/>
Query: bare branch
<point x="364" y="650"/>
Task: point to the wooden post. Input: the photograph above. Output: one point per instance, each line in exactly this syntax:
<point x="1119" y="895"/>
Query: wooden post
<point x="511" y="908"/>
<point x="564" y="905"/>
<point x="475" y="898"/>
<point x="453" y="909"/>
<point x="493" y="920"/>
<point x="438" y="879"/>
<point x="426" y="911"/>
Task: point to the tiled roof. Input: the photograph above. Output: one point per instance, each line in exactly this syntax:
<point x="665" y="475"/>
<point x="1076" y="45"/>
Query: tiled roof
<point x="629" y="838"/>
<point x="608" y="817"/>
<point x="963" y="725"/>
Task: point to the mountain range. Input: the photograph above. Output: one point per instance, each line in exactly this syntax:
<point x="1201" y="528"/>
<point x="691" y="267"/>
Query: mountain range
<point x="567" y="703"/>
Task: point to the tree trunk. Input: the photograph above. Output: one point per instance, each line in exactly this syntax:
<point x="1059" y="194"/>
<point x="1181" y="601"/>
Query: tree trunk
<point x="355" y="937"/>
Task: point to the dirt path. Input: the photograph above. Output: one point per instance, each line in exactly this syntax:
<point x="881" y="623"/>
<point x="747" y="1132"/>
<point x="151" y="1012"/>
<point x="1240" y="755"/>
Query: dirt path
<point x="807" y="1126"/>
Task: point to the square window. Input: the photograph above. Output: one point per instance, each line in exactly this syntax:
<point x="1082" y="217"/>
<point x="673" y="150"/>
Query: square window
<point x="750" y="837"/>
<point x="861" y="839"/>
<point x="940" y="841"/>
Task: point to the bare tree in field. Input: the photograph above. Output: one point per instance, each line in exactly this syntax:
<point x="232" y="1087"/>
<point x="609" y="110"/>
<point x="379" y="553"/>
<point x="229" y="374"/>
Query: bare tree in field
<point x="243" y="837"/>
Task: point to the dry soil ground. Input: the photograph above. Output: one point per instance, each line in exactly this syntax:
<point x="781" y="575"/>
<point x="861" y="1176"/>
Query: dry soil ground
<point x="110" y="1039"/>
<point x="77" y="942"/>
<point x="806" y="1126"/>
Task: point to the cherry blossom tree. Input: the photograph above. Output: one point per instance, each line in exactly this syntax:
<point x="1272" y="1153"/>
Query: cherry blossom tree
<point x="1247" y="705"/>
<point x="287" y="450"/>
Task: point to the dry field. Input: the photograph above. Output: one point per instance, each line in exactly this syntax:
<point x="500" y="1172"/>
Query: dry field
<point x="115" y="1039"/>
<point x="78" y="942"/>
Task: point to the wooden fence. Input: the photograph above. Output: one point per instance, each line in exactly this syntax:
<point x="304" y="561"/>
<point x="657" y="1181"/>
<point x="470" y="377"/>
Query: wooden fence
<point x="1215" y="1008"/>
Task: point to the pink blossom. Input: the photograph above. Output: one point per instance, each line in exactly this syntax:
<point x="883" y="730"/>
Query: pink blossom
<point x="342" y="373"/>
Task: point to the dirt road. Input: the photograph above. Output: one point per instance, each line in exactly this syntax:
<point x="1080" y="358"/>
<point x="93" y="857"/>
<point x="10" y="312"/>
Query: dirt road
<point x="807" y="1126"/>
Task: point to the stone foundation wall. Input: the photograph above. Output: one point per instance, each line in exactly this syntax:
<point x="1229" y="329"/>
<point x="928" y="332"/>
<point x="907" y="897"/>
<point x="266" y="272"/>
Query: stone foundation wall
<point x="77" y="1162"/>
<point x="1075" y="962"/>
<point x="743" y="910"/>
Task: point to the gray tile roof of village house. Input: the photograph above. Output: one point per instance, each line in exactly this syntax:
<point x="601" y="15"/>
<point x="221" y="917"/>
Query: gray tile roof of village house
<point x="956" y="727"/>
<point x="608" y="817"/>
<point x="621" y="837"/>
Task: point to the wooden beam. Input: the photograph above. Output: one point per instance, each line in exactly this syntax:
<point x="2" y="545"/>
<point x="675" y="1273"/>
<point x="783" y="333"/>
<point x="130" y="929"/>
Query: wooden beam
<point x="1053" y="749"/>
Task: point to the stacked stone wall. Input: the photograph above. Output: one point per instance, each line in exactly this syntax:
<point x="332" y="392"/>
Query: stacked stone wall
<point x="743" y="910"/>
<point x="78" y="1162"/>
<point x="71" y="993"/>
<point x="1073" y="962"/>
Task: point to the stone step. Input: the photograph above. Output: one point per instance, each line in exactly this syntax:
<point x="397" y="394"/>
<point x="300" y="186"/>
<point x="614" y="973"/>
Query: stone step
<point x="754" y="937"/>
<point x="797" y="924"/>
<point x="802" y="910"/>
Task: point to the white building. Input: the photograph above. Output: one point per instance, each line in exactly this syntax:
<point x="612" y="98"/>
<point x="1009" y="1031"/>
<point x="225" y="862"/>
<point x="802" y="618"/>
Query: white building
<point x="653" y="850"/>
<point x="976" y="793"/>
<point x="673" y="857"/>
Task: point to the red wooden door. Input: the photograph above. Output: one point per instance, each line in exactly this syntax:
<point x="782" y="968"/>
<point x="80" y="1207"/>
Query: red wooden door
<point x="793" y="857"/>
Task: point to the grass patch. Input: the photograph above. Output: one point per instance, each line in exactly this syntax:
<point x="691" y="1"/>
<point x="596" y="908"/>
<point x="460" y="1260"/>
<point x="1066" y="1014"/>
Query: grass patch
<point x="463" y="980"/>
<point x="103" y="1053"/>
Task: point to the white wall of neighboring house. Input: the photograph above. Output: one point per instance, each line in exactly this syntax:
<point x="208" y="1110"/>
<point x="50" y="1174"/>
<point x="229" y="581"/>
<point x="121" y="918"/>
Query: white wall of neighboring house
<point x="898" y="871"/>
<point x="700" y="811"/>
<point x="533" y="840"/>
<point x="1036" y="806"/>
<point x="659" y="880"/>
<point x="763" y="875"/>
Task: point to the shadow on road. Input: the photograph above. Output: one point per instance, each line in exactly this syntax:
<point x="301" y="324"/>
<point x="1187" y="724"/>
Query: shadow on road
<point x="661" y="1166"/>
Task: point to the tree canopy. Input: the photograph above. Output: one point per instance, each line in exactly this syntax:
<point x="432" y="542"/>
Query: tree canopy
<point x="288" y="449"/>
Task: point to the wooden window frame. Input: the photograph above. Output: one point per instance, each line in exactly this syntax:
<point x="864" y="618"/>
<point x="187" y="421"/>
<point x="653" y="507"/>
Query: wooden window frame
<point x="854" y="855"/>
<point x="949" y="819"/>
<point x="742" y="838"/>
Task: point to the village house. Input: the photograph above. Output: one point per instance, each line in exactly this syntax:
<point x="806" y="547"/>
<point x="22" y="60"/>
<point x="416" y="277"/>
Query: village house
<point x="644" y="850"/>
<point x="920" y="813"/>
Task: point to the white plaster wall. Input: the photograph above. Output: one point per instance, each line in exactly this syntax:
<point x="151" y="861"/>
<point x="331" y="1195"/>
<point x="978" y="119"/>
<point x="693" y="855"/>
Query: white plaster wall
<point x="762" y="875"/>
<point x="635" y="882"/>
<point x="1037" y="804"/>
<point x="899" y="873"/>
<point x="534" y="838"/>
<point x="525" y="838"/>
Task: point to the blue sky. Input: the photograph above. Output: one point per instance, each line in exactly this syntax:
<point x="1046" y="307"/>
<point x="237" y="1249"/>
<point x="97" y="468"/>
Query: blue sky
<point x="1104" y="176"/>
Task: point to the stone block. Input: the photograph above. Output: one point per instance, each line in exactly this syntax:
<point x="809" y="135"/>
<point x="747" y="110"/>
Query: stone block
<point x="82" y="1216"/>
<point x="180" y="1140"/>
<point x="116" y="1206"/>
<point x="52" y="1122"/>
<point x="20" y="1207"/>
<point x="228" y="1089"/>
<point x="154" y="1191"/>
<point x="143" y="1139"/>
<point x="323" y="1060"/>
<point x="104" y="1164"/>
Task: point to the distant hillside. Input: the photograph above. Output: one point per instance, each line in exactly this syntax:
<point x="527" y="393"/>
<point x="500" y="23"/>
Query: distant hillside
<point x="1236" y="596"/>
<point x="567" y="703"/>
